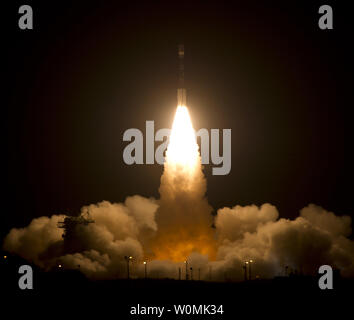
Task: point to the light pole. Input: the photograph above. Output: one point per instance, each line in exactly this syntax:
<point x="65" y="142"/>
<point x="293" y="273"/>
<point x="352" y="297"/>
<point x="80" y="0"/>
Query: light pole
<point x="191" y="273"/>
<point x="128" y="258"/>
<point x="249" y="272"/>
<point x="199" y="274"/>
<point x="145" y="265"/>
<point x="186" y="263"/>
<point x="245" y="268"/>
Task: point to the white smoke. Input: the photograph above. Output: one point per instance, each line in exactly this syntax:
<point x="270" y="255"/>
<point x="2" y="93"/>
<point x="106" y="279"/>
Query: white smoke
<point x="316" y="237"/>
<point x="175" y="236"/>
<point x="35" y="239"/>
<point x="101" y="246"/>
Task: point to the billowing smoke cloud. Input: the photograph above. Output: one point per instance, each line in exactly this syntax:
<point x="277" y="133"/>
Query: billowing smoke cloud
<point x="175" y="234"/>
<point x="98" y="249"/>
<point x="316" y="237"/>
<point x="31" y="242"/>
<point x="184" y="216"/>
<point x="233" y="223"/>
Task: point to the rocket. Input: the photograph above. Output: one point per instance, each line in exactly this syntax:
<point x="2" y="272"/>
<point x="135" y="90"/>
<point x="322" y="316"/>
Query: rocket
<point x="181" y="91"/>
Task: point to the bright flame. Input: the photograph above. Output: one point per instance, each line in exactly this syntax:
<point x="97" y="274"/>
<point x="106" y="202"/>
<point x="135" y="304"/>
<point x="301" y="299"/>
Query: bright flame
<point x="183" y="148"/>
<point x="184" y="215"/>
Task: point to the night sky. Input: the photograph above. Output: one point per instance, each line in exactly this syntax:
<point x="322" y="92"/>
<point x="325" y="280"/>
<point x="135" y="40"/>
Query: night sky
<point x="88" y="72"/>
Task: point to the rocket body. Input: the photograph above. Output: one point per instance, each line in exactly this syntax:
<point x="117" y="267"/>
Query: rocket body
<point x="181" y="91"/>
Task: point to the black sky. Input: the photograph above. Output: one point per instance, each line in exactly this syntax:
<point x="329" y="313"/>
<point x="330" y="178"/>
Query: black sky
<point x="87" y="72"/>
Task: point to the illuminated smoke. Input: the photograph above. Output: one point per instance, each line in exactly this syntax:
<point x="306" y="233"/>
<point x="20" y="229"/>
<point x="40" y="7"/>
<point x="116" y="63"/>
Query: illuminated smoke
<point x="178" y="228"/>
<point x="315" y="238"/>
<point x="184" y="216"/>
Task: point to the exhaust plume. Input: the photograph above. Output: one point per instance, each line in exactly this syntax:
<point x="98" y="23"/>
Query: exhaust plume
<point x="184" y="216"/>
<point x="178" y="227"/>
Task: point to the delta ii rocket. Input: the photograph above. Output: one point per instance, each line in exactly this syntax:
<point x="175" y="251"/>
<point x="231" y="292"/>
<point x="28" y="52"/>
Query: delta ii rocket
<point x="181" y="91"/>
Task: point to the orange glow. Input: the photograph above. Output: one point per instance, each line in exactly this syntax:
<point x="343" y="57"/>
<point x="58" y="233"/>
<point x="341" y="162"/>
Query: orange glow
<point x="184" y="216"/>
<point x="181" y="249"/>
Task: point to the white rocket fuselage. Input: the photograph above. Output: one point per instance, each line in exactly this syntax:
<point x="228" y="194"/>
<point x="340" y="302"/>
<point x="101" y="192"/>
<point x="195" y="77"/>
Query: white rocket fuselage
<point x="181" y="91"/>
